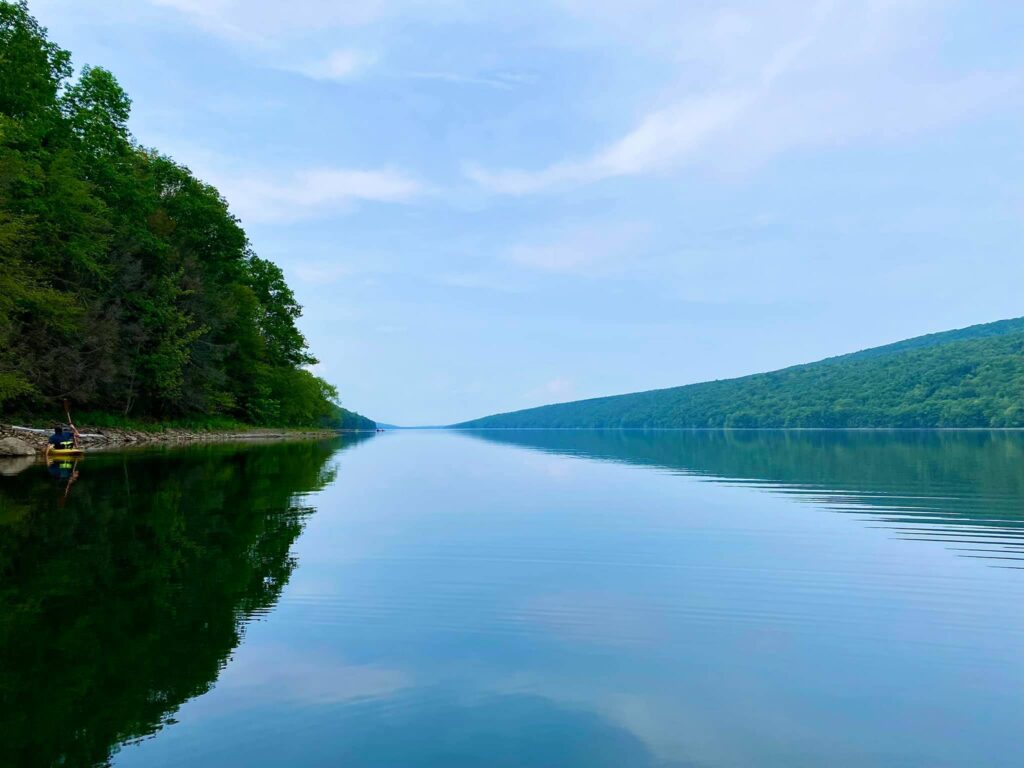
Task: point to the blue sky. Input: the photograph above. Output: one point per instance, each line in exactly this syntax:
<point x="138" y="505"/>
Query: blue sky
<point x="488" y="206"/>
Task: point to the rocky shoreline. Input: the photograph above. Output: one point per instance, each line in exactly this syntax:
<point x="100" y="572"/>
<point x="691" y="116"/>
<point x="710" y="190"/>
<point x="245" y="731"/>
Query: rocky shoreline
<point x="26" y="441"/>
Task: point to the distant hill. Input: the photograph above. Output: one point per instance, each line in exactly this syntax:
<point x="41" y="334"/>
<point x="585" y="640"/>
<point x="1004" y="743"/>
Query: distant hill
<point x="971" y="377"/>
<point x="346" y="419"/>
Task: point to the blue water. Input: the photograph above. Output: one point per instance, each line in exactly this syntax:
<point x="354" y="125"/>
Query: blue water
<point x="601" y="599"/>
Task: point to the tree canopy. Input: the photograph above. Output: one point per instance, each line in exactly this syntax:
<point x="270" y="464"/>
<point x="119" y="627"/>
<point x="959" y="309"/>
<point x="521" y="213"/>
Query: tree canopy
<point x="125" y="282"/>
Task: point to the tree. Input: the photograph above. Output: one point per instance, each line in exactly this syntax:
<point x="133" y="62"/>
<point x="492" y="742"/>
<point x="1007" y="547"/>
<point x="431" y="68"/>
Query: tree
<point x="125" y="282"/>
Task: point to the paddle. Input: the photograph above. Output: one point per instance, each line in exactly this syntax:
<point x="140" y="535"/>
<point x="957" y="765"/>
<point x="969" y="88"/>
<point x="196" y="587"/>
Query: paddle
<point x="67" y="412"/>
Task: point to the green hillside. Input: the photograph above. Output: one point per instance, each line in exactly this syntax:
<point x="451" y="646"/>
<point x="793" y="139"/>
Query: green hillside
<point x="971" y="377"/>
<point x="346" y="419"/>
<point x="126" y="284"/>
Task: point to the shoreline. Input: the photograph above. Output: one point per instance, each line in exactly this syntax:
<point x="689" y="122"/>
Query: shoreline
<point x="722" y="429"/>
<point x="18" y="440"/>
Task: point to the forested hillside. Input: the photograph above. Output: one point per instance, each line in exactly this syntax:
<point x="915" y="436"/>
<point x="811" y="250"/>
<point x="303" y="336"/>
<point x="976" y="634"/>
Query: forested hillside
<point x="973" y="377"/>
<point x="126" y="285"/>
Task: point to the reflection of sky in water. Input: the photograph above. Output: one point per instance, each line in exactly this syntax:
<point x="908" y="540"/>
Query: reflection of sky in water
<point x="460" y="603"/>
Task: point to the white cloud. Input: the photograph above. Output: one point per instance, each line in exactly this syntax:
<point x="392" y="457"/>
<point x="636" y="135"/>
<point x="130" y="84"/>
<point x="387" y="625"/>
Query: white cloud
<point x="284" y="34"/>
<point x="505" y="81"/>
<point x="753" y="82"/>
<point x="258" y="195"/>
<point x="326" y="185"/>
<point x="256" y="20"/>
<point x="663" y="137"/>
<point x="269" y="22"/>
<point x="313" y="193"/>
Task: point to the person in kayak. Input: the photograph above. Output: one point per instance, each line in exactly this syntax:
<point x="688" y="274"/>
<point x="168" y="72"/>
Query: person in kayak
<point x="61" y="440"/>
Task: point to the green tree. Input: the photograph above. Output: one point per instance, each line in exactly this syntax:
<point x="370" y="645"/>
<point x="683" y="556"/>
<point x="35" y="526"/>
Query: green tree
<point x="125" y="282"/>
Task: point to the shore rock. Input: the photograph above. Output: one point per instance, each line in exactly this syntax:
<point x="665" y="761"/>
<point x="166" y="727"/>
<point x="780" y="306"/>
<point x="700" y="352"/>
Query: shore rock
<point x="12" y="446"/>
<point x="109" y="438"/>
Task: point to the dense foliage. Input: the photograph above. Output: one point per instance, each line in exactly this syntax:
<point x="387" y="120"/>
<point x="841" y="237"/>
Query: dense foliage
<point x="345" y="419"/>
<point x="125" y="282"/>
<point x="973" y="377"/>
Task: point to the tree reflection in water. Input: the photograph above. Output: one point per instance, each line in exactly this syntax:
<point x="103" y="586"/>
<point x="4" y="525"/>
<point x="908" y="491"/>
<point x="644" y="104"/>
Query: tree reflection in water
<point x="123" y="603"/>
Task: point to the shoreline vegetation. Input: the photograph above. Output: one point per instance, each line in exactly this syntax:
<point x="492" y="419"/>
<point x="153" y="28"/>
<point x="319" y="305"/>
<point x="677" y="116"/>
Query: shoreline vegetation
<point x="126" y="284"/>
<point x="29" y="441"/>
<point x="970" y="378"/>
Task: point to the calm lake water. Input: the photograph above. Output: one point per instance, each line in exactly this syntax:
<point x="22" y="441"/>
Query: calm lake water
<point x="532" y="598"/>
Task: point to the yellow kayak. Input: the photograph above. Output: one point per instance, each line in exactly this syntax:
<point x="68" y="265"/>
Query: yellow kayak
<point x="58" y="452"/>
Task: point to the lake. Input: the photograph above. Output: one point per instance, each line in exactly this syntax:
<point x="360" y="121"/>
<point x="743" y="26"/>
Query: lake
<point x="520" y="598"/>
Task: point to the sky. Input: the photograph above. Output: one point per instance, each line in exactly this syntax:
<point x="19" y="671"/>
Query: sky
<point x="489" y="206"/>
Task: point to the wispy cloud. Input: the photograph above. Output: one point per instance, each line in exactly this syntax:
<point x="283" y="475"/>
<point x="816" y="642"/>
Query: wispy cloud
<point x="287" y="36"/>
<point x="662" y="139"/>
<point x="262" y="195"/>
<point x="767" y="79"/>
<point x="505" y="81"/>
<point x="266" y="21"/>
<point x="313" y="193"/>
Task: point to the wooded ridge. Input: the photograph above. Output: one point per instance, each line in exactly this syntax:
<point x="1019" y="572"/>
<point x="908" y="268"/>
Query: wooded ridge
<point x="971" y="377"/>
<point x="126" y="284"/>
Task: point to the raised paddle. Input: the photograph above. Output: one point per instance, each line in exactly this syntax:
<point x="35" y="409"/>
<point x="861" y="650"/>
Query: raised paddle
<point x="67" y="412"/>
